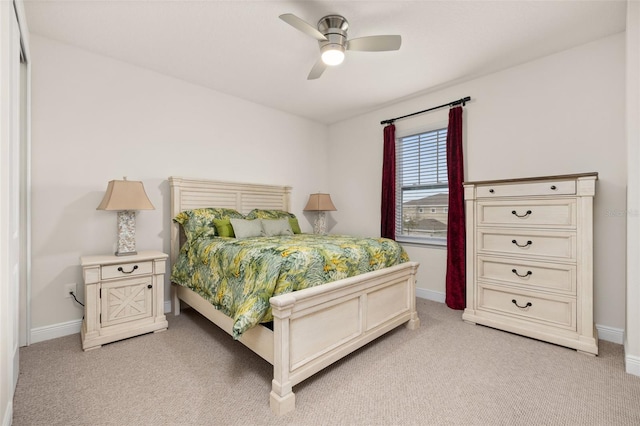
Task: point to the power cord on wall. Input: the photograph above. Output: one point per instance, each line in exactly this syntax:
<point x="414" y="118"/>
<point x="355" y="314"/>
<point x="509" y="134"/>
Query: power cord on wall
<point x="74" y="298"/>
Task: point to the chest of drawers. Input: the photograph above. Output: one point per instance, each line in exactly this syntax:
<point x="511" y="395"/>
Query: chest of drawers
<point x="530" y="258"/>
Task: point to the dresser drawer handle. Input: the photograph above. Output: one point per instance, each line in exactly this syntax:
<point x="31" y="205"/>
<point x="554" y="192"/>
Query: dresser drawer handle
<point x="515" y="213"/>
<point x="125" y="272"/>
<point x="553" y="187"/>
<point x="522" y="276"/>
<point x="528" y="305"/>
<point x="491" y="191"/>
<point x="522" y="245"/>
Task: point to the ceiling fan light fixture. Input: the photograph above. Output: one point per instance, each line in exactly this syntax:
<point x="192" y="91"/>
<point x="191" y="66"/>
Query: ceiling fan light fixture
<point x="333" y="55"/>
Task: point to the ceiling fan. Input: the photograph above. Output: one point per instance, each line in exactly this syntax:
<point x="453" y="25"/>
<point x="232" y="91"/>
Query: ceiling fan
<point x="332" y="38"/>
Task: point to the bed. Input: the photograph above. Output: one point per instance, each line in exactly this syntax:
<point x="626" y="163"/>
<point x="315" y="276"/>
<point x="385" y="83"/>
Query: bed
<point x="313" y="327"/>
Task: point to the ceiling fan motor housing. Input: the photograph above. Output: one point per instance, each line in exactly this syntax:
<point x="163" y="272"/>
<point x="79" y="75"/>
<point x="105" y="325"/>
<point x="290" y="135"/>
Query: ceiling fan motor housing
<point x="334" y="28"/>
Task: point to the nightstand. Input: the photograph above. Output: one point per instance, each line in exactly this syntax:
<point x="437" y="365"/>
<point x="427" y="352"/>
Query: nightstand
<point x="124" y="297"/>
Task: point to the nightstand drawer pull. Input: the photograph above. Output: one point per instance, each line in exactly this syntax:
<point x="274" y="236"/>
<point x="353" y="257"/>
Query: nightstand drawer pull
<point x="553" y="187"/>
<point x="125" y="272"/>
<point x="515" y="271"/>
<point x="515" y="213"/>
<point x="149" y="286"/>
<point x="522" y="245"/>
<point x="521" y="307"/>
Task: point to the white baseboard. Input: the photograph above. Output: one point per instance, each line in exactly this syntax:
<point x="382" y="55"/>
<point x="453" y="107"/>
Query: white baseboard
<point x="632" y="365"/>
<point x="54" y="331"/>
<point x="40" y="334"/>
<point x="610" y="334"/>
<point x="436" y="296"/>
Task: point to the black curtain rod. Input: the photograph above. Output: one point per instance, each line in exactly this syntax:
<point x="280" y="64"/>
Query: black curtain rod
<point x="462" y="101"/>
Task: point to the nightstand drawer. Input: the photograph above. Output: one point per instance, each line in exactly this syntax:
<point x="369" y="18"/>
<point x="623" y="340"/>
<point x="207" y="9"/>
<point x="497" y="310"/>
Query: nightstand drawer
<point x="528" y="274"/>
<point x="559" y="312"/>
<point x="556" y="213"/>
<point x="550" y="187"/>
<point x="124" y="270"/>
<point x="556" y="245"/>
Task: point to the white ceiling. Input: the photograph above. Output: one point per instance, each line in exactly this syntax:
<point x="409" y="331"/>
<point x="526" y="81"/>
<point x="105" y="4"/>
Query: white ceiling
<point x="241" y="47"/>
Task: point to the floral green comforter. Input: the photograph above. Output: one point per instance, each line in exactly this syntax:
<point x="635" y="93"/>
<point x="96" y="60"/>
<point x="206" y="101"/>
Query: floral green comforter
<point x="238" y="276"/>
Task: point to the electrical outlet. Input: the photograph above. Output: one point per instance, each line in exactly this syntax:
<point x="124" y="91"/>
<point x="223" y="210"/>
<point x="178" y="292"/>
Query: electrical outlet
<point x="68" y="288"/>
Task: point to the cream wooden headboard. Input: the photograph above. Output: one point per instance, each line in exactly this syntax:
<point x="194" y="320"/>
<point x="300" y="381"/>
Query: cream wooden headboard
<point x="187" y="194"/>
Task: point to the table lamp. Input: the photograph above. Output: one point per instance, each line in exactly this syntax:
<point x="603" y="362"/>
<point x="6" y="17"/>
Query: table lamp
<point x="320" y="203"/>
<point x="125" y="197"/>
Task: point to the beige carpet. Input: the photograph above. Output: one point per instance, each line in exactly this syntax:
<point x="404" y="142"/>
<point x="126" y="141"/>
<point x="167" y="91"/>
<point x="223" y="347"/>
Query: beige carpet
<point x="446" y="372"/>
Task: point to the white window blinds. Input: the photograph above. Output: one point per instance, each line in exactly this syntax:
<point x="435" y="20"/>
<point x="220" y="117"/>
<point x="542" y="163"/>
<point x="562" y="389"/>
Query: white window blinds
<point x="422" y="187"/>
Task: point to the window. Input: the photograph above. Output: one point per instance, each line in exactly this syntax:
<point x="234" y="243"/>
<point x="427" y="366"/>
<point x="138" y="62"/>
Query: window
<point x="422" y="199"/>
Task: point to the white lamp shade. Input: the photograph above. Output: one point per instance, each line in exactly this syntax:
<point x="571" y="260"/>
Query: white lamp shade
<point x="124" y="195"/>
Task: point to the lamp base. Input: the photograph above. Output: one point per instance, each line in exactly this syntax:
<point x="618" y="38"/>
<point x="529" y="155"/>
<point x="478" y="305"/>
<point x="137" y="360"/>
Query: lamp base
<point x="320" y="225"/>
<point x="126" y="233"/>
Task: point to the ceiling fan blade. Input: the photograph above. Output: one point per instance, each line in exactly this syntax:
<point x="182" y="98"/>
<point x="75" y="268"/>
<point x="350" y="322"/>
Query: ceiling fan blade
<point x="379" y="43"/>
<point x="303" y="26"/>
<point x="317" y="70"/>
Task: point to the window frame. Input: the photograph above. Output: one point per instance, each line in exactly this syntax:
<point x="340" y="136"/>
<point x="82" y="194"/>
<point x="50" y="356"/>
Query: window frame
<point x="412" y="239"/>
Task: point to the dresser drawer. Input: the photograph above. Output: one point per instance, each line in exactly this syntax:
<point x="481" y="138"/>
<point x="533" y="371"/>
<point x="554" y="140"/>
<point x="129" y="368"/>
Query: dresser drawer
<point x="529" y="243"/>
<point x="555" y="213"/>
<point x="528" y="274"/>
<point x="123" y="270"/>
<point x="556" y="311"/>
<point x="526" y="189"/>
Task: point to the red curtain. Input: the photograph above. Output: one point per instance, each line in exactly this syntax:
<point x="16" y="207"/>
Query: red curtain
<point x="388" y="206"/>
<point x="456" y="282"/>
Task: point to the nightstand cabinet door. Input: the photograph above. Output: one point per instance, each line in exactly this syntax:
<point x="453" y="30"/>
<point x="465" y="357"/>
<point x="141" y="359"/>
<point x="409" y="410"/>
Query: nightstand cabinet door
<point x="124" y="297"/>
<point x="124" y="301"/>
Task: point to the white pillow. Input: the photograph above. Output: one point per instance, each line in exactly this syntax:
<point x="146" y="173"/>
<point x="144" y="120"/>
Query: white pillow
<point x="246" y="228"/>
<point x="271" y="227"/>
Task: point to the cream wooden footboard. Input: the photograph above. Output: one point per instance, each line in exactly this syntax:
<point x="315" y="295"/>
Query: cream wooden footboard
<point x="315" y="327"/>
<point x="312" y="328"/>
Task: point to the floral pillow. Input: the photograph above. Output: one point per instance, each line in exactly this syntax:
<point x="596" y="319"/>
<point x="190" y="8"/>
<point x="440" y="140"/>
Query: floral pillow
<point x="200" y="222"/>
<point x="269" y="214"/>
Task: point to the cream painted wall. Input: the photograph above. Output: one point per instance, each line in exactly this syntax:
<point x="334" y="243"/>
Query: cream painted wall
<point x="564" y="113"/>
<point x="96" y="119"/>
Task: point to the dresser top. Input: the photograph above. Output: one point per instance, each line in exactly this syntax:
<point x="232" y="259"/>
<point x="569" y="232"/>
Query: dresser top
<point x="529" y="179"/>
